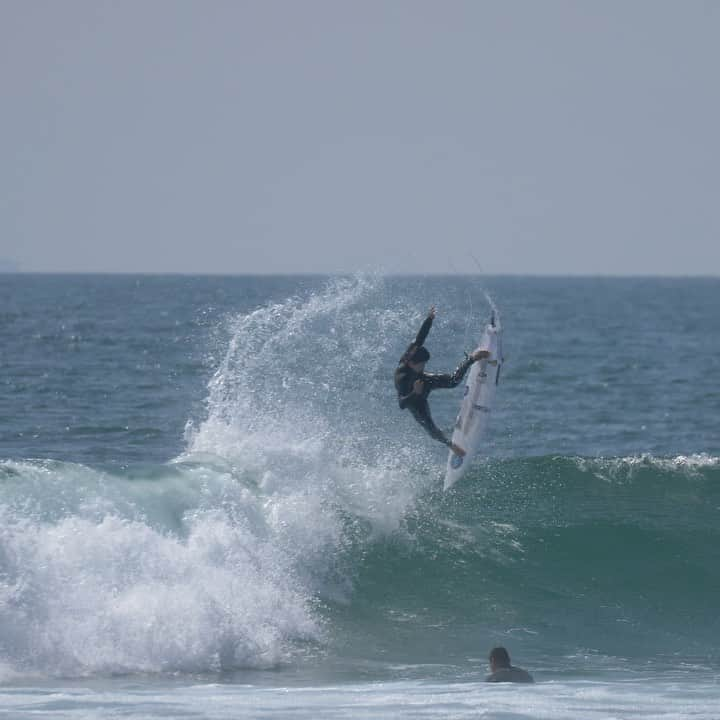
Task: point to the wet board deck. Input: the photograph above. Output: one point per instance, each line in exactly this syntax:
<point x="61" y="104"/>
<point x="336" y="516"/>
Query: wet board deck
<point x="476" y="405"/>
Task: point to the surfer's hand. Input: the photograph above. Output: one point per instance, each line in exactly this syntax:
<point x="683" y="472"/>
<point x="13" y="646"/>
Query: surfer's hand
<point x="431" y="312"/>
<point x="479" y="355"/>
<point x="418" y="387"/>
<point x="457" y="450"/>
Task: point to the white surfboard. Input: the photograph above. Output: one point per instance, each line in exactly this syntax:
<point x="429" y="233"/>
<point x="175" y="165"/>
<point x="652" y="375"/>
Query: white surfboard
<point x="477" y="402"/>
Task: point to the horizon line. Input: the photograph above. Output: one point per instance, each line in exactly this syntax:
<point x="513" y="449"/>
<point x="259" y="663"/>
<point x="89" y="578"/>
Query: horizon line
<point x="286" y="274"/>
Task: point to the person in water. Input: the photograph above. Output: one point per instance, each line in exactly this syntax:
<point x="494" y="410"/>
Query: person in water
<point x="503" y="671"/>
<point x="413" y="384"/>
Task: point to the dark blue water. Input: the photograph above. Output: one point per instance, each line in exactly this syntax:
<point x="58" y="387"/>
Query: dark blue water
<point x="206" y="475"/>
<point x="108" y="369"/>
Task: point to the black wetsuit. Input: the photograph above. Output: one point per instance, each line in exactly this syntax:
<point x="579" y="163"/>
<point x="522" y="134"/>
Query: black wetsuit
<point x="510" y="674"/>
<point x="405" y="378"/>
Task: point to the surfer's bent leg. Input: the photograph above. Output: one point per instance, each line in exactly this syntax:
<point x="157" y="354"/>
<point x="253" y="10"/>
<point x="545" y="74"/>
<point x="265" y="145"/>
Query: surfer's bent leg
<point x="436" y="381"/>
<point x="422" y="414"/>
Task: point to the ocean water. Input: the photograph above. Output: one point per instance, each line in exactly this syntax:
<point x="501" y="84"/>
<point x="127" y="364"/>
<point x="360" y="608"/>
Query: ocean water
<point x="211" y="505"/>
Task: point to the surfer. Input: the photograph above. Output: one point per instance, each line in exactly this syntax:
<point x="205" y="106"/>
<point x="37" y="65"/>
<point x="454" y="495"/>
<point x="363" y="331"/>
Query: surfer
<point x="413" y="384"/>
<point x="503" y="671"/>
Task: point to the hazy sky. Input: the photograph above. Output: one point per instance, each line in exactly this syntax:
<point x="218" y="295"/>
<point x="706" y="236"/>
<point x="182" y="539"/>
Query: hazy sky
<point x="307" y="136"/>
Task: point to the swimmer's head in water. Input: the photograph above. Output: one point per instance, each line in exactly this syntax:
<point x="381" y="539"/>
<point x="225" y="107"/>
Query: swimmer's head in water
<point x="499" y="658"/>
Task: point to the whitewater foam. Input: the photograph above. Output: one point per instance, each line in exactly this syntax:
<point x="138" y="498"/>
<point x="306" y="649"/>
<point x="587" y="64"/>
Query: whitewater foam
<point x="626" y="468"/>
<point x="81" y="596"/>
<point x="216" y="560"/>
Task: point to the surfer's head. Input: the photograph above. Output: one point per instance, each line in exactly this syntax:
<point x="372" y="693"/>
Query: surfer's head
<point x="418" y="358"/>
<point x="499" y="658"/>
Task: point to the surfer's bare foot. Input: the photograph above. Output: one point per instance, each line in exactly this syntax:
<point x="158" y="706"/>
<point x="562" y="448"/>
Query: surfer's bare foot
<point x="457" y="450"/>
<point x="480" y="354"/>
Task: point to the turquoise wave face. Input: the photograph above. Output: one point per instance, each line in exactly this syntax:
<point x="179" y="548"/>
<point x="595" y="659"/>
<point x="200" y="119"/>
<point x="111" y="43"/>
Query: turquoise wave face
<point x="557" y="555"/>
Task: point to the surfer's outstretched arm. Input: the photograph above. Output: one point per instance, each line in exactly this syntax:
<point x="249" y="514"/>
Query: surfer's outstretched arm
<point x="425" y="327"/>
<point x="421" y="336"/>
